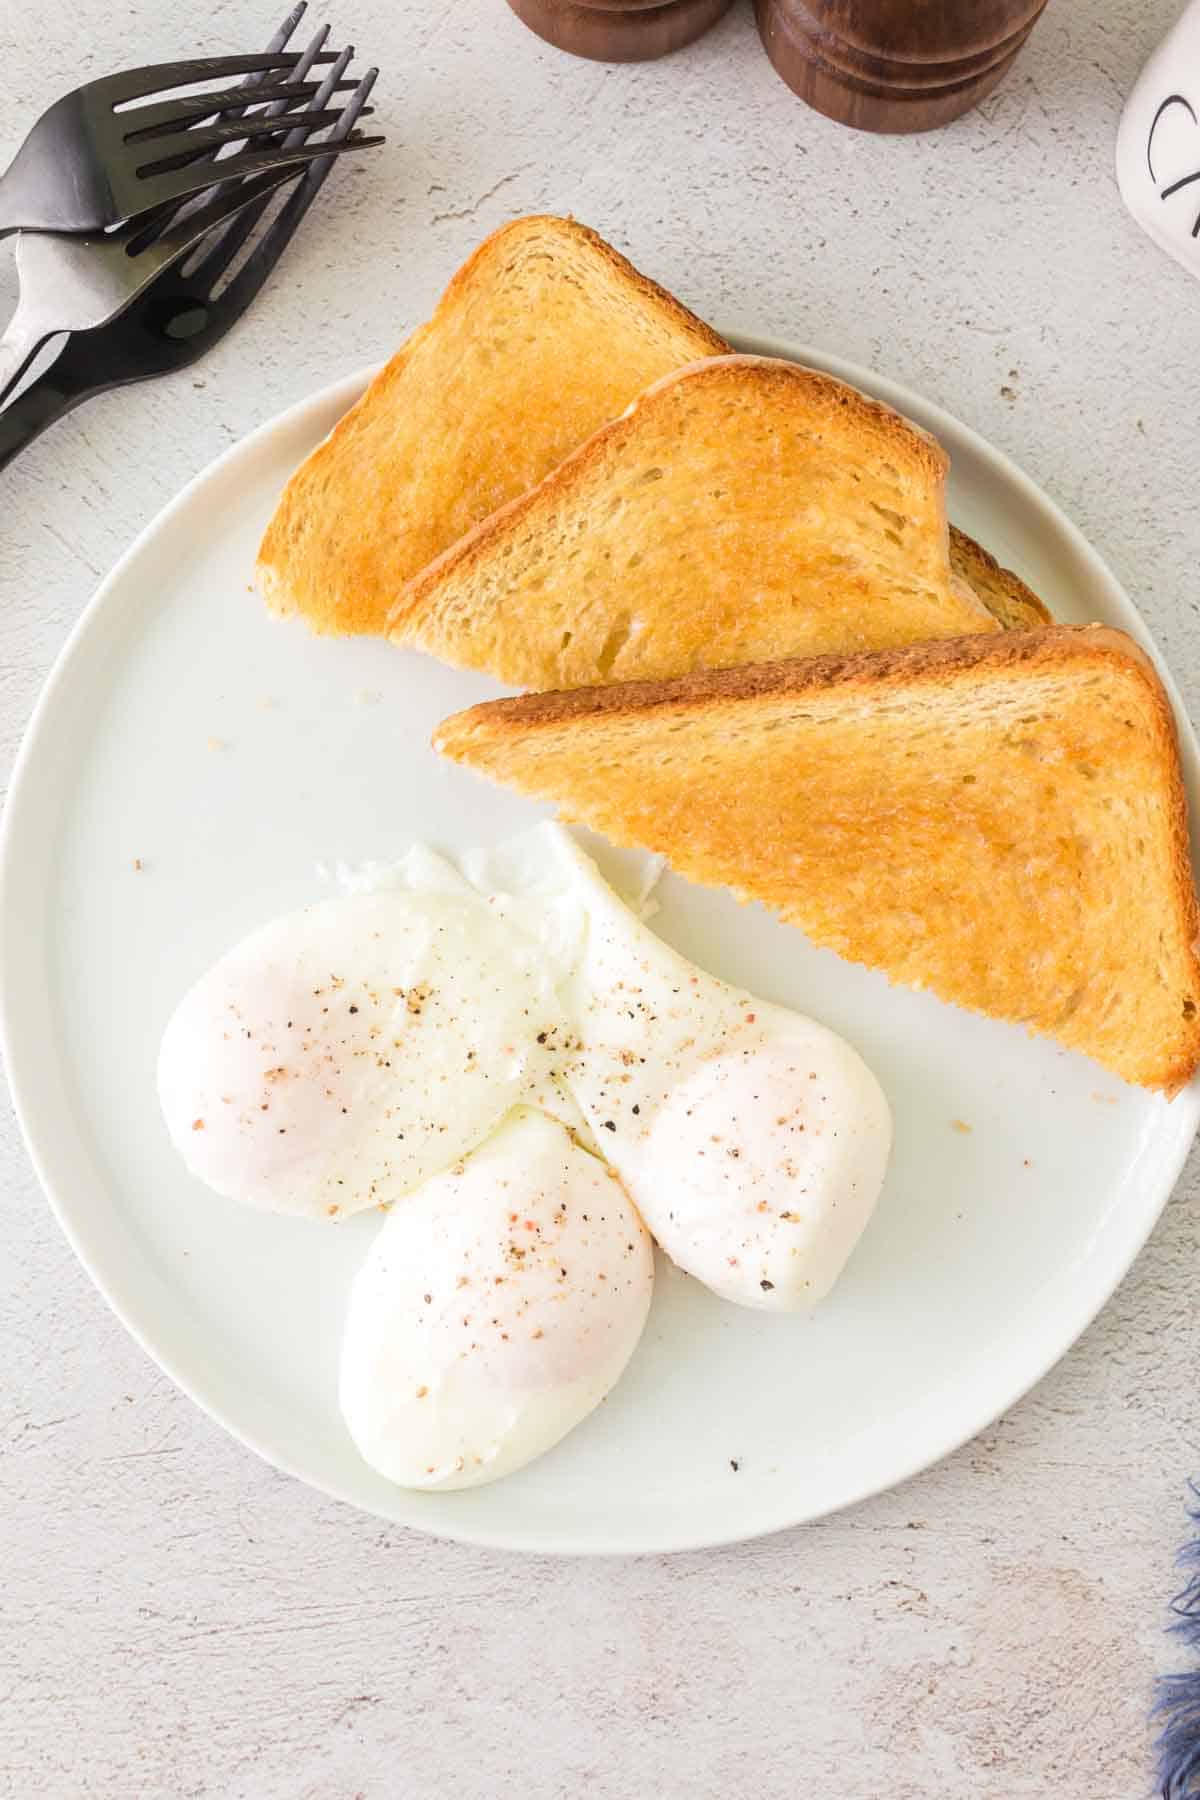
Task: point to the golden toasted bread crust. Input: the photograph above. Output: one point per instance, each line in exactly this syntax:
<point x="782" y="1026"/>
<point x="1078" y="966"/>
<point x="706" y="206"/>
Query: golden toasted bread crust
<point x="1055" y="889"/>
<point x="455" y="424"/>
<point x="1005" y="595"/>
<point x="936" y="663"/>
<point x="785" y="514"/>
<point x="618" y="435"/>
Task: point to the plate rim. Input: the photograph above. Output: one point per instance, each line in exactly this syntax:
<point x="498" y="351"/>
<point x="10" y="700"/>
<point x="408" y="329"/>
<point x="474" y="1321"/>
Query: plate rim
<point x="768" y="1520"/>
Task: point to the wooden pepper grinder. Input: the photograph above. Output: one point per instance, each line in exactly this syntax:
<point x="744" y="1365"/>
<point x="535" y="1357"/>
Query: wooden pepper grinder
<point x="619" y="30"/>
<point x="894" y="65"/>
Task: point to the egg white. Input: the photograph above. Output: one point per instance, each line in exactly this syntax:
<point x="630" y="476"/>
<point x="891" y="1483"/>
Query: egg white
<point x="753" y="1140"/>
<point x="495" y="1310"/>
<point x="341" y="1055"/>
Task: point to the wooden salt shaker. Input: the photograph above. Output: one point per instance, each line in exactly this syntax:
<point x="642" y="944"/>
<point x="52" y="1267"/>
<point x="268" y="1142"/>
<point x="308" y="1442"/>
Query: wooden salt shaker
<point x="894" y="65"/>
<point x="619" y="30"/>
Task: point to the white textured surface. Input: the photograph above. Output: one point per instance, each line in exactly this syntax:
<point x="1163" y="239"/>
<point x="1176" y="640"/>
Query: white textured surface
<point x="175" y="1619"/>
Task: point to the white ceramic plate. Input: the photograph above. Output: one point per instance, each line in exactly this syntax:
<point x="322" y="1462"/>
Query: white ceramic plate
<point x="232" y="754"/>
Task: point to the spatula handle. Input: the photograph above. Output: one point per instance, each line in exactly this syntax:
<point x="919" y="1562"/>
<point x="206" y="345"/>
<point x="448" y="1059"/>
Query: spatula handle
<point x="26" y="417"/>
<point x="23" y="338"/>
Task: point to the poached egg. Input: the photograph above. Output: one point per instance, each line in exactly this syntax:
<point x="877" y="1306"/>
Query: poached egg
<point x="340" y="1056"/>
<point x="495" y="1310"/>
<point x="753" y="1141"/>
<point x="506" y="1058"/>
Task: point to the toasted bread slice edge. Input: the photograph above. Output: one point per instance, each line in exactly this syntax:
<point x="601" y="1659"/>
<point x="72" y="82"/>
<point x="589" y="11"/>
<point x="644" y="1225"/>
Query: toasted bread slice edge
<point x="990" y="588"/>
<point x="1005" y="595"/>
<point x="937" y="660"/>
<point x="890" y="431"/>
<point x="271" y="571"/>
<point x="479" y="736"/>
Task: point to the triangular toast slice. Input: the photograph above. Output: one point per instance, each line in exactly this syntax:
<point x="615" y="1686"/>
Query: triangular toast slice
<point x="541" y="336"/>
<point x="742" y="509"/>
<point x="999" y="819"/>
